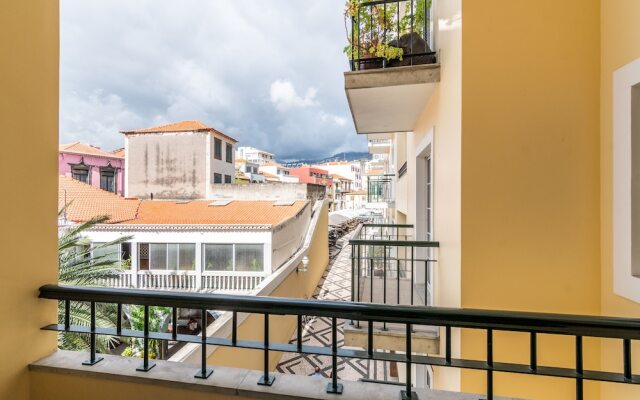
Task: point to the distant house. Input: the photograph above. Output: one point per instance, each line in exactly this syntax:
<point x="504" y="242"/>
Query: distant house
<point x="92" y="165"/>
<point x="254" y="155"/>
<point x="349" y="169"/>
<point x="307" y="174"/>
<point x="182" y="160"/>
<point x="250" y="171"/>
<point x="278" y="173"/>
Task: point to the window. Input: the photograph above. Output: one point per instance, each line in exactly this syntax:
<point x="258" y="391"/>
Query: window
<point x="218" y="257"/>
<point x="233" y="257"/>
<point x="626" y="181"/>
<point x="217" y="178"/>
<point x="229" y="153"/>
<point x="80" y="172"/>
<point x="217" y="149"/>
<point x="227" y="179"/>
<point x="167" y="256"/>
<point x="117" y="252"/>
<point x="249" y="257"/>
<point x="108" y="179"/>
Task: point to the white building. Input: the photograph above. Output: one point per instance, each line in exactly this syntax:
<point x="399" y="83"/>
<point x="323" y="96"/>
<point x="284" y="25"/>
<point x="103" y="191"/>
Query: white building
<point x="250" y="170"/>
<point x="349" y="169"/>
<point x="202" y="245"/>
<point x="183" y="160"/>
<point x="278" y="171"/>
<point x="254" y="155"/>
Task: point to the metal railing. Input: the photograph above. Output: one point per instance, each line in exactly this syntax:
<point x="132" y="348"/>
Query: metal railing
<point x="390" y="33"/>
<point x="379" y="188"/>
<point x="386" y="255"/>
<point x="622" y="329"/>
<point x="226" y="281"/>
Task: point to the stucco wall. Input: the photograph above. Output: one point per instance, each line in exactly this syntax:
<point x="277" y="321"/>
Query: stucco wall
<point x="288" y="237"/>
<point x="66" y="159"/>
<point x="170" y="165"/>
<point x="620" y="41"/>
<point x="29" y="114"/>
<point x="530" y="178"/>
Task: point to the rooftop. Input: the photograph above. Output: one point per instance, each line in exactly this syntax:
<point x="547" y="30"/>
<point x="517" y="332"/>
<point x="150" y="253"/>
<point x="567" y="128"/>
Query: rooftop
<point x="82" y="148"/>
<point x="182" y="126"/>
<point x="87" y="201"/>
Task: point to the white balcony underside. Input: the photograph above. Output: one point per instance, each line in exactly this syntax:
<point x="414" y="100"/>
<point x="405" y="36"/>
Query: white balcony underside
<point x="392" y="99"/>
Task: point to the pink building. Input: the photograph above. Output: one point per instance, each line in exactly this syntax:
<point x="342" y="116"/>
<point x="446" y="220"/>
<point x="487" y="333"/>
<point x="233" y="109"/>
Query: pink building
<point x="92" y="165"/>
<point x="308" y="174"/>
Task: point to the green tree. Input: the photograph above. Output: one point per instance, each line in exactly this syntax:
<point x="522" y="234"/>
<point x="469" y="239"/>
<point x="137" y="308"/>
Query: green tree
<point x="79" y="266"/>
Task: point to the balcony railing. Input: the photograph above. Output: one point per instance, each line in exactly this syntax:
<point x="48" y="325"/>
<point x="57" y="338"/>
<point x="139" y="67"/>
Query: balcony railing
<point x="388" y="33"/>
<point x="389" y="267"/>
<point x="379" y="189"/>
<point x="624" y="330"/>
<point x="226" y="281"/>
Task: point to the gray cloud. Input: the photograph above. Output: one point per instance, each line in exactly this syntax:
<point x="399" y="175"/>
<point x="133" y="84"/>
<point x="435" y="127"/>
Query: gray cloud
<point x="267" y="72"/>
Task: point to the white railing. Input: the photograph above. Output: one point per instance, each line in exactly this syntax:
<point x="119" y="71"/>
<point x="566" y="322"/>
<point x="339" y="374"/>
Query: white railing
<point x="124" y="280"/>
<point x="232" y="281"/>
<point x="167" y="280"/>
<point x="182" y="280"/>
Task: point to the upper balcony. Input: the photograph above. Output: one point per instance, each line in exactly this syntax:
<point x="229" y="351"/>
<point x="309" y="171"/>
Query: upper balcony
<point x="394" y="68"/>
<point x="379" y="146"/>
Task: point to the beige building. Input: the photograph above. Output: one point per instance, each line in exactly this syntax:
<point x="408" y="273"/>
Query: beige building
<point x="182" y="160"/>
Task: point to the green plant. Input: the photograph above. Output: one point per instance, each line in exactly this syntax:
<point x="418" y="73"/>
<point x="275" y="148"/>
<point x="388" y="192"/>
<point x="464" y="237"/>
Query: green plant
<point x="373" y="26"/>
<point x="158" y="321"/>
<point x="78" y="266"/>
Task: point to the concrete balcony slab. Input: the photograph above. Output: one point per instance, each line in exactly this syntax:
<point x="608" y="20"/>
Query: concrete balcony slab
<point x="390" y="99"/>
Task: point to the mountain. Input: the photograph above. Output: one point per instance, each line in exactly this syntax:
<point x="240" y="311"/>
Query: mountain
<point x="346" y="156"/>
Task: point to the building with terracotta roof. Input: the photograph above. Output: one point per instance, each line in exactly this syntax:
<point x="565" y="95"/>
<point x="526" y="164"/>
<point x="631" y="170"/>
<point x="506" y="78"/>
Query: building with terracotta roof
<point x="194" y="245"/>
<point x="182" y="160"/>
<point x="341" y="186"/>
<point x="308" y="174"/>
<point x="92" y="165"/>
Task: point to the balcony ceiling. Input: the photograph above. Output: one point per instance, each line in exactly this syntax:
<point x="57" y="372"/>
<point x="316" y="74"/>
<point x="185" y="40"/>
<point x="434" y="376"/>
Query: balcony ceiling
<point x="392" y="99"/>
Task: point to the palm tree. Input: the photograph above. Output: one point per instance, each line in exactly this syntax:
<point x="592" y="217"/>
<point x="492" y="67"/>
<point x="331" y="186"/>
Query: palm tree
<point x="83" y="265"/>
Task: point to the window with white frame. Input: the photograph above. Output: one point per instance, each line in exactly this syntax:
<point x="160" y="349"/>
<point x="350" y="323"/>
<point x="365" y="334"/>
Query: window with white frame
<point x="115" y="252"/>
<point x="233" y="257"/>
<point x="167" y="256"/>
<point x="626" y="181"/>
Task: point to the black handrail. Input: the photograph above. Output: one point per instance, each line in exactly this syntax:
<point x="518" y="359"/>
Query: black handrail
<point x="534" y="323"/>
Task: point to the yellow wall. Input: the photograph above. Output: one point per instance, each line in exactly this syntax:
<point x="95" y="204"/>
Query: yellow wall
<point x="530" y="175"/>
<point x="28" y="170"/>
<point x="281" y="328"/>
<point x="620" y="34"/>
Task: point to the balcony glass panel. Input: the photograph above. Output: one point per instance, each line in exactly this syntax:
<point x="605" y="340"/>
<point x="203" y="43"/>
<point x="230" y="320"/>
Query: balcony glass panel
<point x="218" y="257"/>
<point x="249" y="257"/>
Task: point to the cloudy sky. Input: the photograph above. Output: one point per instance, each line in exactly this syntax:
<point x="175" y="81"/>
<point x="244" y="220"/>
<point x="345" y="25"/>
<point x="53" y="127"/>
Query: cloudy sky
<point x="268" y="72"/>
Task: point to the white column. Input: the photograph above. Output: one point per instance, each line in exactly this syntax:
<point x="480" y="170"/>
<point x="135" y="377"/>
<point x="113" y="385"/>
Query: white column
<point x="135" y="254"/>
<point x="199" y="267"/>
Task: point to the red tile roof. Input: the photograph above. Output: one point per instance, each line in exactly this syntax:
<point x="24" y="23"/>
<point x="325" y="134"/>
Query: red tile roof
<point x="118" y="153"/>
<point x="86" y="202"/>
<point x="81" y="148"/>
<point x="182" y="126"/>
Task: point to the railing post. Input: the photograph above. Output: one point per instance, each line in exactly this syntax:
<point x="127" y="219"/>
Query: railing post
<point x="266" y="379"/>
<point x="384" y="281"/>
<point x="92" y="347"/>
<point x="579" y="369"/>
<point x="334" y="387"/>
<point x="626" y="348"/>
<point x="204" y="372"/>
<point x="489" y="364"/>
<point x="408" y="393"/>
<point x="146" y="364"/>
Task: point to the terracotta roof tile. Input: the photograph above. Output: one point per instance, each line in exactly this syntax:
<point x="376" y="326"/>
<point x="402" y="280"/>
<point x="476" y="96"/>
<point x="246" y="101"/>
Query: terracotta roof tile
<point x="81" y="148"/>
<point x="200" y="212"/>
<point x="118" y="153"/>
<point x="182" y="126"/>
<point x="86" y="201"/>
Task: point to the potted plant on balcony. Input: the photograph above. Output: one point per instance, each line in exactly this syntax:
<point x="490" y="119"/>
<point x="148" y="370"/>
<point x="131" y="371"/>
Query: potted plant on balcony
<point x="381" y="34"/>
